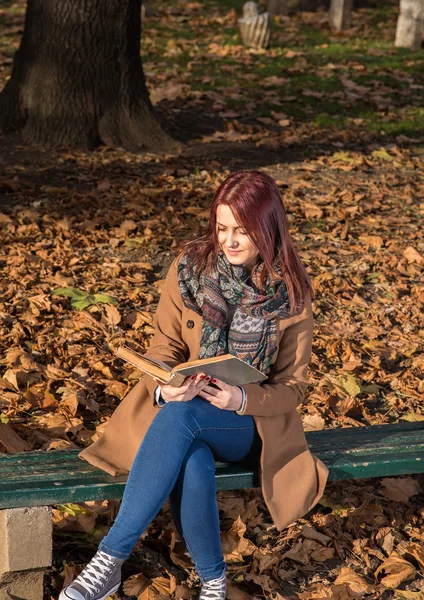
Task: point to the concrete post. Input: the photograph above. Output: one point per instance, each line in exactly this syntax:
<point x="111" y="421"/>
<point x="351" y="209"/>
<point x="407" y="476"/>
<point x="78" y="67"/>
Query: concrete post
<point x="410" y="24"/>
<point x="340" y="15"/>
<point x="25" y="551"/>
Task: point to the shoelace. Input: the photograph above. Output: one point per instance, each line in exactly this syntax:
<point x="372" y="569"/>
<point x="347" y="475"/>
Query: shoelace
<point x="92" y="575"/>
<point x="214" y="590"/>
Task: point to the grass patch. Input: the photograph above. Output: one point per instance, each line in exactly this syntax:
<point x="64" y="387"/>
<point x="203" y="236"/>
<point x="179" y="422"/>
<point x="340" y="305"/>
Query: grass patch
<point x="310" y="73"/>
<point x="327" y="121"/>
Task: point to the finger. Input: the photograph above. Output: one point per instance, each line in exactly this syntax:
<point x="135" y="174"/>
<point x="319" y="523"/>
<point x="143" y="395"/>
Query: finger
<point x="221" y="384"/>
<point x="208" y="396"/>
<point x="211" y="399"/>
<point x="203" y="395"/>
<point x="212" y="391"/>
<point x="200" y="380"/>
<point x="190" y="382"/>
<point x="206" y="386"/>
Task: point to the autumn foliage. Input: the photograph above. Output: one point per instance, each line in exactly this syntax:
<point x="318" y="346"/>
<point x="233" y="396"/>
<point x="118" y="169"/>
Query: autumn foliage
<point x="340" y="133"/>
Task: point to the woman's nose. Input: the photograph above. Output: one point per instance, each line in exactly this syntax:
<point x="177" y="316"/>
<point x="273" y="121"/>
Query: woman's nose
<point x="230" y="242"/>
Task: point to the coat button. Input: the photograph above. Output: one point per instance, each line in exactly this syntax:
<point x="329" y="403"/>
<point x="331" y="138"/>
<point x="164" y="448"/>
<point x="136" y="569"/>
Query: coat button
<point x="190" y="324"/>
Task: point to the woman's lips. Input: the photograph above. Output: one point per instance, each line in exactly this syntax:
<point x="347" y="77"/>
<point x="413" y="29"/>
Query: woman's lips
<point x="234" y="251"/>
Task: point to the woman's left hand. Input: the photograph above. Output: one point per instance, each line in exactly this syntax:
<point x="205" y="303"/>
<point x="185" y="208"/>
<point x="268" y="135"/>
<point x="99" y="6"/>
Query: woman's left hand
<point x="228" y="397"/>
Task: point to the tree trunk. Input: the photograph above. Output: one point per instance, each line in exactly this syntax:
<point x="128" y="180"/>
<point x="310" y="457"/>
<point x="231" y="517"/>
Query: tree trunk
<point x="409" y="31"/>
<point x="77" y="78"/>
<point x="340" y="15"/>
<point x="286" y="7"/>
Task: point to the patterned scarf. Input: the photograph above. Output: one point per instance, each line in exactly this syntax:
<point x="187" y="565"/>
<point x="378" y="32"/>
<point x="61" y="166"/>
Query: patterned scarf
<point x="252" y="335"/>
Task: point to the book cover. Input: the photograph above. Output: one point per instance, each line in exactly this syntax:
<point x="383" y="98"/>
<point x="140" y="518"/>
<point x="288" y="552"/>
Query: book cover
<point x="227" y="367"/>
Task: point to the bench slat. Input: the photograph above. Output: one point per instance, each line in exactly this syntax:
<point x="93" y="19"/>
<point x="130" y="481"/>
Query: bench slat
<point x="352" y="440"/>
<point x="44" y="478"/>
<point x="382" y="438"/>
<point x="228" y="477"/>
<point x="71" y="466"/>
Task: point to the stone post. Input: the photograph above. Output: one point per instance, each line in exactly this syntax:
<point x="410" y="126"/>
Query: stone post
<point x="409" y="30"/>
<point x="255" y="28"/>
<point x="340" y="15"/>
<point x="146" y="10"/>
<point x="25" y="551"/>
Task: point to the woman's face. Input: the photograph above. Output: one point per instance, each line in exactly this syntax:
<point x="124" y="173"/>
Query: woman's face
<point x="233" y="239"/>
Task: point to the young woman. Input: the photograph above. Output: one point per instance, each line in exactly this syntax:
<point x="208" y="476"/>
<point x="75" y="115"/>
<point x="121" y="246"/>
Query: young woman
<point x="240" y="289"/>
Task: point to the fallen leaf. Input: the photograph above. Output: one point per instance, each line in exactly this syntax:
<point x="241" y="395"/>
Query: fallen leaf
<point x="355" y="582"/>
<point x="312" y="211"/>
<point x="398" y="569"/>
<point x="400" y="490"/>
<point x="412" y="256"/>
<point x="10" y="441"/>
<point x="313" y="422"/>
<point x="136" y="584"/>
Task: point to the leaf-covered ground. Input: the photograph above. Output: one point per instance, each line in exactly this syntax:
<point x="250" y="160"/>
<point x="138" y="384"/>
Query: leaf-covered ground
<point x="337" y="120"/>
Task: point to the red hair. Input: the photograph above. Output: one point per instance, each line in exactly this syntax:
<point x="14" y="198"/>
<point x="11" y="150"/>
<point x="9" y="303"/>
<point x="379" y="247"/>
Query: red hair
<point x="257" y="206"/>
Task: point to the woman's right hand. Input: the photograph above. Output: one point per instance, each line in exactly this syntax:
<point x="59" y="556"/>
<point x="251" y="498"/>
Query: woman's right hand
<point x="187" y="391"/>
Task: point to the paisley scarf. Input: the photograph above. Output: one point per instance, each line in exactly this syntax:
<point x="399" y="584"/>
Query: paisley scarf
<point x="252" y="334"/>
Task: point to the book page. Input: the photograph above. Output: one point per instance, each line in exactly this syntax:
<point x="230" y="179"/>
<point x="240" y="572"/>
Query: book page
<point x="157" y="362"/>
<point x="227" y="367"/>
<point x="152" y="366"/>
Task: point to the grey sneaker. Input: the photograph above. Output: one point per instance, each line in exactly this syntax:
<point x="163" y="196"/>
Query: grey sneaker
<point x="100" y="578"/>
<point x="215" y="589"/>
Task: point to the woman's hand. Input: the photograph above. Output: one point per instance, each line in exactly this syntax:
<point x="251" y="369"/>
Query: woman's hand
<point x="191" y="387"/>
<point x="228" y="397"/>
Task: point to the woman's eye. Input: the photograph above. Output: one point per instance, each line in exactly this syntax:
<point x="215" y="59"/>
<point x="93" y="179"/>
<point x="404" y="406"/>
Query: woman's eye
<point x="242" y="232"/>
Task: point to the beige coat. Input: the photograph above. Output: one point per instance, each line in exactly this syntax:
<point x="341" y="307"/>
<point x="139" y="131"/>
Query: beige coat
<point x="292" y="479"/>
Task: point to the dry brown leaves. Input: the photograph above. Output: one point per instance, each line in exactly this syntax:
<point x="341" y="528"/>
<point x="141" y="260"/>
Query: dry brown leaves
<point x="60" y="383"/>
<point x="111" y="221"/>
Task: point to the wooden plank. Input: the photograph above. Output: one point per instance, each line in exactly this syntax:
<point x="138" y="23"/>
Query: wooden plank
<point x="228" y="477"/>
<point x="74" y="467"/>
<point x="345" y="439"/>
<point x="43" y="478"/>
<point x="352" y="438"/>
<point x="323" y="443"/>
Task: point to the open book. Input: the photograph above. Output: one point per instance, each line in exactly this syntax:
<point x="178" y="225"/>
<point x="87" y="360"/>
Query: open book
<point x="227" y="368"/>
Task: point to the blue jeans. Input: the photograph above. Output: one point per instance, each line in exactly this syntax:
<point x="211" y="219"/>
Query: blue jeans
<point x="176" y="461"/>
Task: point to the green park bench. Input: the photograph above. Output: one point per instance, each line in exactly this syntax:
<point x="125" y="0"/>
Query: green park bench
<point x="31" y="482"/>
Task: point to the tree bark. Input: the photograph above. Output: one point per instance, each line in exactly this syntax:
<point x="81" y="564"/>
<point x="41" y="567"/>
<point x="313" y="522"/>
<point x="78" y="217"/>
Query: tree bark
<point x="77" y="78"/>
<point x="340" y="15"/>
<point x="409" y="30"/>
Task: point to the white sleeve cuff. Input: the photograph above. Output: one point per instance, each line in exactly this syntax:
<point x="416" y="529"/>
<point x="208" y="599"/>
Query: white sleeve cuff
<point x="243" y="401"/>
<point x="158" y="398"/>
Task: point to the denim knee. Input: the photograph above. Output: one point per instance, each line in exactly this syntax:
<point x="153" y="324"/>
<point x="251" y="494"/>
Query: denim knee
<point x="182" y="410"/>
<point x="198" y="466"/>
<point x="188" y="406"/>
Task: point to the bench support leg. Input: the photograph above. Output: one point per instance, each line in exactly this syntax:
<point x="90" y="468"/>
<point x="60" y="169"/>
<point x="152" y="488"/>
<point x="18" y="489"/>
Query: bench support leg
<point x="25" y="551"/>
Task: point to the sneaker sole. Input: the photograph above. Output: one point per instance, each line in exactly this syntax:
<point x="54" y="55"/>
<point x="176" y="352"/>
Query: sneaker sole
<point x="64" y="596"/>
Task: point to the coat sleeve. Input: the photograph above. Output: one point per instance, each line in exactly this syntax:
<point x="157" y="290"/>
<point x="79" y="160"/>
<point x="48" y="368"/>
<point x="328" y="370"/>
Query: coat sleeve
<point x="285" y="387"/>
<point x="167" y="344"/>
